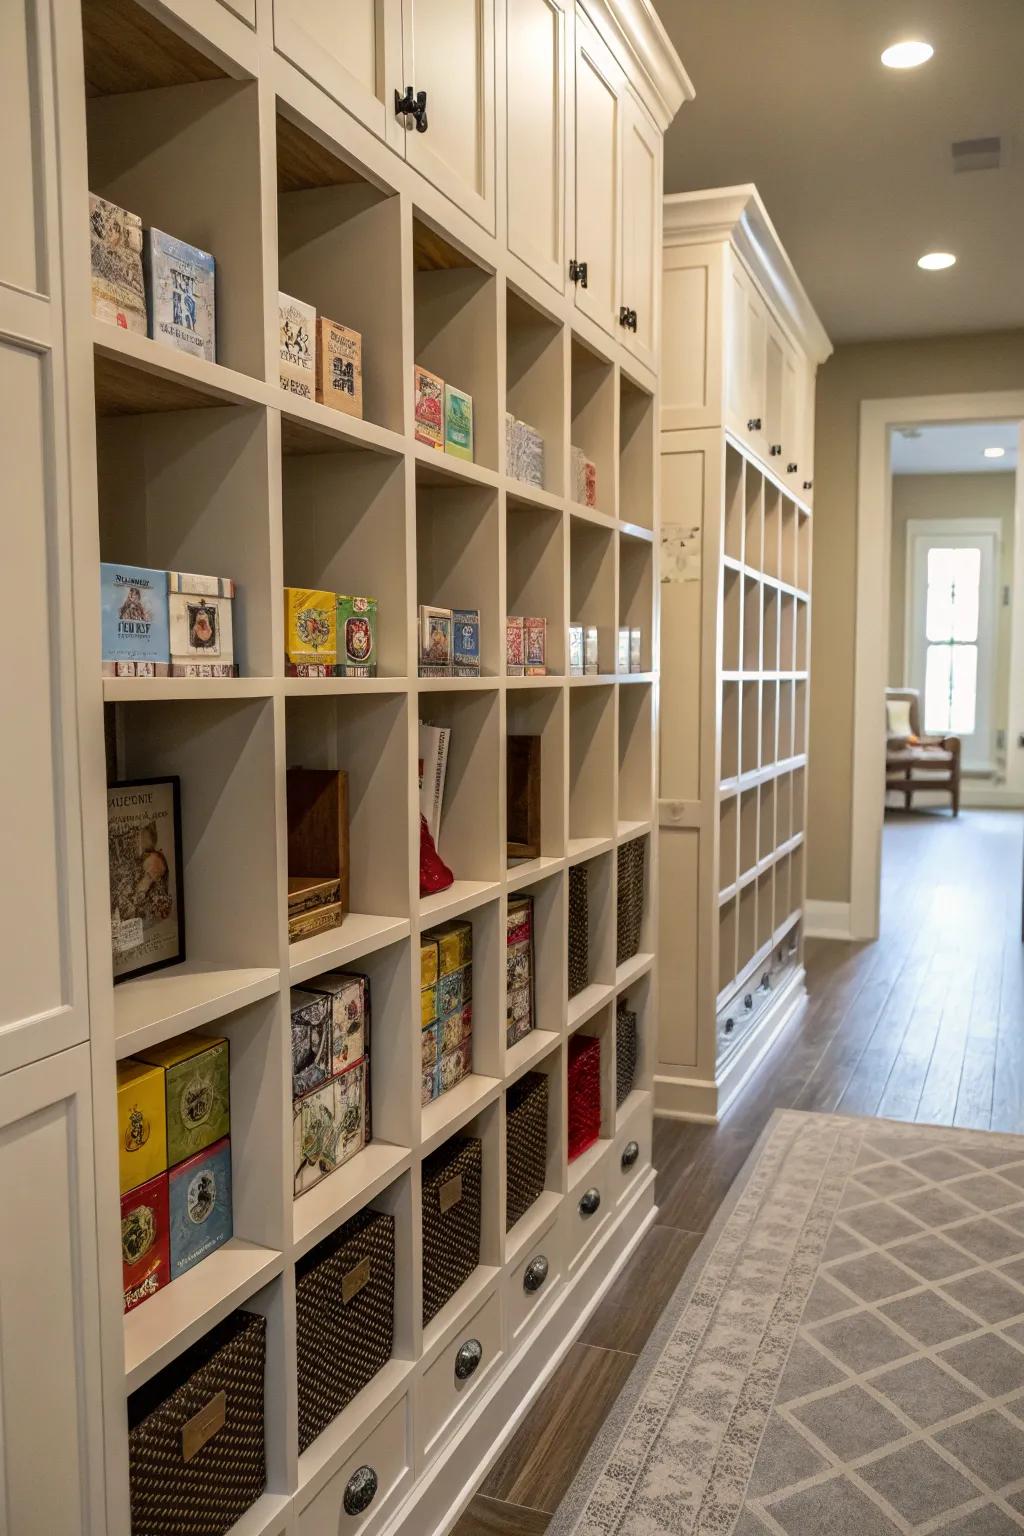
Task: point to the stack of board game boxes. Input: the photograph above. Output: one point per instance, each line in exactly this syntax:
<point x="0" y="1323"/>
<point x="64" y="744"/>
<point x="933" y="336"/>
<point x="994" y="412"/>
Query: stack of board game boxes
<point x="320" y="359"/>
<point x="524" y="452"/>
<point x="526" y="646"/>
<point x="330" y="1075"/>
<point x="449" y="641"/>
<point x="174" y="1150"/>
<point x="630" y="650"/>
<point x="584" y="479"/>
<point x="583" y="653"/>
<point x="519" y="969"/>
<point x="151" y="283"/>
<point x="442" y="415"/>
<point x="329" y="634"/>
<point x="166" y="623"/>
<point x="446" y="1007"/>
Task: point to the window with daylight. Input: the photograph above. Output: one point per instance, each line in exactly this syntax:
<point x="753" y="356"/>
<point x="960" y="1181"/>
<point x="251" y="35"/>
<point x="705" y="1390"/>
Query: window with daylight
<point x="952" y="609"/>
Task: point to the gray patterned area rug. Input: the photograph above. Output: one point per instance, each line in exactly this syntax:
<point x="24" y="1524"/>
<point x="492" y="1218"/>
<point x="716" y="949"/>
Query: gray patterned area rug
<point x="844" y="1355"/>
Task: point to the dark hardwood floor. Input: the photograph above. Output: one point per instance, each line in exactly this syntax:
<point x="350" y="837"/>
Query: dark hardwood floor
<point x="926" y="1024"/>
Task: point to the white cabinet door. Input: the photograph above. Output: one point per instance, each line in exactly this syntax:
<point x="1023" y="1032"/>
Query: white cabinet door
<point x="535" y="135"/>
<point x="755" y="389"/>
<point x="598" y="138"/>
<point x="448" y="51"/>
<point x="354" y="51"/>
<point x="746" y="359"/>
<point x="774" y="387"/>
<point x="737" y="288"/>
<point x="51" y="1419"/>
<point x="792" y="387"/>
<point x="641" y="229"/>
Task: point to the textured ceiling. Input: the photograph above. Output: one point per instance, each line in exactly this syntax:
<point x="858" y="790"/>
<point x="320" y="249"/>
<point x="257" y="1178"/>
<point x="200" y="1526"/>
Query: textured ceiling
<point x="853" y="160"/>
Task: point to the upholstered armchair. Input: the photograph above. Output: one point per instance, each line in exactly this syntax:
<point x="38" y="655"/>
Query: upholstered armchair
<point x="914" y="762"/>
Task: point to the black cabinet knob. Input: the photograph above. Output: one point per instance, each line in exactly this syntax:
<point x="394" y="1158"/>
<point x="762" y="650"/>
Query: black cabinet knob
<point x="748" y="1002"/>
<point x="589" y="1201"/>
<point x="467" y="1359"/>
<point x="412" y="104"/>
<point x="360" y="1491"/>
<point x="728" y="1026"/>
<point x="578" y="272"/>
<point x="624" y="317"/>
<point x="808" y="484"/>
<point x="754" y="424"/>
<point x="791" y="469"/>
<point x="535" y="1274"/>
<point x="630" y="1153"/>
<point x="775" y="450"/>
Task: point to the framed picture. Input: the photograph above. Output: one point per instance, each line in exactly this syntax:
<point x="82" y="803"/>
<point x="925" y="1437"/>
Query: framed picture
<point x="147" y="912"/>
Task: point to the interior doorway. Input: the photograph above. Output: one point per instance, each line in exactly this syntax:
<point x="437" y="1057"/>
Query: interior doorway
<point x="939" y="635"/>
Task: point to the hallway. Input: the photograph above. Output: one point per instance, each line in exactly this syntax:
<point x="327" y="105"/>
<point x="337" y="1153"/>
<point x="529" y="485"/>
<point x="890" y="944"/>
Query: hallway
<point x="926" y="1024"/>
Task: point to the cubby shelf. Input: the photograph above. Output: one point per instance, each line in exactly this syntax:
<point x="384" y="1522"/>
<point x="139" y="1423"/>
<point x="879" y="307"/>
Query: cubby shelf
<point x="235" y="477"/>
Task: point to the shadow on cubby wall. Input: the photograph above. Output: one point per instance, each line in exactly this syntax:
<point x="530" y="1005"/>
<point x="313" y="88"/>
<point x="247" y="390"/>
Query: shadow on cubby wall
<point x="535" y="571"/>
<point x="368" y="738"/>
<point x="472" y="841"/>
<point x="592" y="811"/>
<point x="456" y="329"/>
<point x="344" y="530"/>
<point x="592" y="586"/>
<point x="535" y="370"/>
<point x="541" y="712"/>
<point x="187" y="491"/>
<point x="636" y="593"/>
<point x="635" y="746"/>
<point x="457" y="556"/>
<point x="636" y="454"/>
<point x="152" y="112"/>
<point x="339" y="248"/>
<point x="592" y="419"/>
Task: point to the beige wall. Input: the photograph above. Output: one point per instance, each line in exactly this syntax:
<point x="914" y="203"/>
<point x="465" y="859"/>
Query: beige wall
<point x="868" y="371"/>
<point x="952" y="496"/>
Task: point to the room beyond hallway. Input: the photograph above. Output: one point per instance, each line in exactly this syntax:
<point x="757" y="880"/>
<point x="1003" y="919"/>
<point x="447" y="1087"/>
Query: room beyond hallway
<point x="926" y="1024"/>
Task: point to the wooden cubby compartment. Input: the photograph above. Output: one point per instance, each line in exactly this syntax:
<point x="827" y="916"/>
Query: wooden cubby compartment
<point x="733" y="510"/>
<point x="766" y="835"/>
<point x="339" y="249"/>
<point x="144" y="122"/>
<point x="637" y="422"/>
<point x="541" y="712"/>
<point x="535" y="381"/>
<point x="751" y="624"/>
<point x="551" y="1064"/>
<point x="765" y="908"/>
<point x="457" y="558"/>
<point x="754" y="520"/>
<point x="770" y="630"/>
<point x="472" y="840"/>
<point x="783" y="886"/>
<point x="535" y="571"/>
<point x="549" y="952"/>
<point x="727" y="935"/>
<point x="799" y="718"/>
<point x="636" y="593"/>
<point x="592" y="420"/>
<point x="785" y="729"/>
<point x="592" y="810"/>
<point x="803" y="550"/>
<point x="783" y="809"/>
<point x="730" y="745"/>
<point x="772" y="529"/>
<point x="801" y="656"/>
<point x="600" y="934"/>
<point x="732" y="619"/>
<point x="343" y="523"/>
<point x="728" y="841"/>
<point x="637" y="995"/>
<point x="798" y="782"/>
<point x="636" y="744"/>
<point x="746" y="941"/>
<point x="750" y="727"/>
<point x="455" y="330"/>
<point x="592" y="587"/>
<point x="788" y="564"/>
<point x="787" y="631"/>
<point x="769" y="714"/>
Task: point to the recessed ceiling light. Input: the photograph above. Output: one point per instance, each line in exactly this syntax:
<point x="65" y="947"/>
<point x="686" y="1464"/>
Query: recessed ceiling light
<point x="995" y="453"/>
<point x="936" y="261"/>
<point x="907" y="55"/>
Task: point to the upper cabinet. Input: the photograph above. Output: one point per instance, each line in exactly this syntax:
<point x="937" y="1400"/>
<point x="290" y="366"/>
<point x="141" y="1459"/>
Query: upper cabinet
<point x="353" y="50"/>
<point x="596" y="251"/>
<point x="641" y="231"/>
<point x="448" y="52"/>
<point x="752" y="341"/>
<point x="535" y="96"/>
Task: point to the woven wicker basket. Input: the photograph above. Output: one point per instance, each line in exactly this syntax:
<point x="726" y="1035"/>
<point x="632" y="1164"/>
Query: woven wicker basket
<point x="584" y="1093"/>
<point x="625" y="1052"/>
<point x="579" y="922"/>
<point x="345" y="1317"/>
<point x="451" y="1220"/>
<point x="216" y="1385"/>
<point x="526" y="1144"/>
<point x="630" y="908"/>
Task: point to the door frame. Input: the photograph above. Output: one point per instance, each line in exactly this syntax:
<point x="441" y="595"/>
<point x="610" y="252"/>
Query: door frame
<point x="958" y="529"/>
<point x="871" y="643"/>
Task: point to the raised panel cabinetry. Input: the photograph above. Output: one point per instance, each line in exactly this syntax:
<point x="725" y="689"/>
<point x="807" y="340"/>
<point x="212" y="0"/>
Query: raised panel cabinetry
<point x="741" y="346"/>
<point x="535" y="97"/>
<point x="353" y="50"/>
<point x="596" y="250"/>
<point x="641" y="230"/>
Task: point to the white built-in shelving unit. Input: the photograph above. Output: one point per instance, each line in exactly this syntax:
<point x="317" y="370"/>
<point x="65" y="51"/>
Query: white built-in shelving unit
<point x="264" y="131"/>
<point x="741" y="346"/>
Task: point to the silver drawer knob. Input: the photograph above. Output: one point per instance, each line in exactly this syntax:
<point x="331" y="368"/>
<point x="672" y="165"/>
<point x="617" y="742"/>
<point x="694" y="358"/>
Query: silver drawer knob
<point x="360" y="1491"/>
<point x="535" y="1274"/>
<point x="630" y="1153"/>
<point x="589" y="1202"/>
<point x="467" y="1359"/>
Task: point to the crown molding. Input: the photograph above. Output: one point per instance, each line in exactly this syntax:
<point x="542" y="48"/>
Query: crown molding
<point x="637" y="37"/>
<point x="738" y="215"/>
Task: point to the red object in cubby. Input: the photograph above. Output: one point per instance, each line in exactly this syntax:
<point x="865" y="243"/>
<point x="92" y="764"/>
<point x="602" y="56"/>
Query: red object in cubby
<point x="584" y="1093"/>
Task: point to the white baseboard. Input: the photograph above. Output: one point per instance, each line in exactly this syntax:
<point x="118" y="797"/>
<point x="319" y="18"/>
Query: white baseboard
<point x="827" y="919"/>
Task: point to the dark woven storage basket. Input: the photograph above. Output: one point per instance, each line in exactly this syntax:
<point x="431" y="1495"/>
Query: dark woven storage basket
<point x="526" y="1144"/>
<point x="207" y="1494"/>
<point x="342" y="1344"/>
<point x="451" y="1238"/>
<point x="579" y="938"/>
<point x="630" y="899"/>
<point x="584" y="1093"/>
<point x="625" y="1052"/>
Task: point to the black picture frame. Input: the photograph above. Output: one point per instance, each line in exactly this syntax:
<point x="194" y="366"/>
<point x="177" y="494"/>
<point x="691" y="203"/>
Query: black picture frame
<point x="167" y="938"/>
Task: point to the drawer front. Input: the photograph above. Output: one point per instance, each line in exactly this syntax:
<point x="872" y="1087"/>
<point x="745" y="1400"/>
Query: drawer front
<point x="526" y="1293"/>
<point x="368" y="1484"/>
<point x="582" y="1225"/>
<point x="453" y="1379"/>
<point x="631" y="1155"/>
